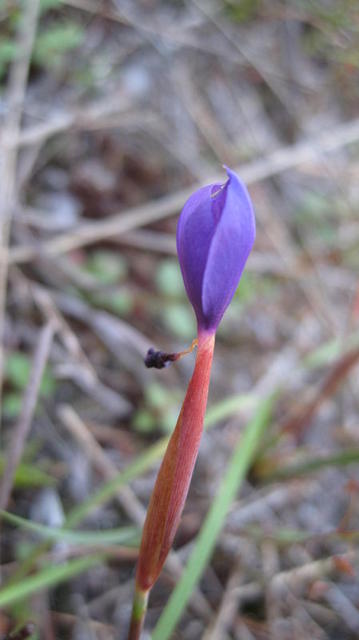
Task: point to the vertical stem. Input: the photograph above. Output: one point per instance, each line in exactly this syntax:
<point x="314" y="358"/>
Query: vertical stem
<point x="173" y="480"/>
<point x="138" y="613"/>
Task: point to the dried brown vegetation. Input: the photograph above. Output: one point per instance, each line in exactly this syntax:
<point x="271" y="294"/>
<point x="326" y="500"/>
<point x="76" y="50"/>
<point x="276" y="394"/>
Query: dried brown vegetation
<point x="112" y="113"/>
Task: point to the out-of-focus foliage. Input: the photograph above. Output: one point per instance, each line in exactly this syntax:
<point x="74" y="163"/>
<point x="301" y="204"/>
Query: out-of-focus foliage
<point x="16" y="376"/>
<point x="127" y="103"/>
<point x="55" y="38"/>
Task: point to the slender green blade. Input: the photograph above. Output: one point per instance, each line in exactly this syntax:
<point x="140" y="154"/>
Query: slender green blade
<point x="238" y="466"/>
<point x="125" y="535"/>
<point x="109" y="489"/>
<point x="329" y="351"/>
<point x="228" y="407"/>
<point x="28" y="475"/>
<point x="144" y="462"/>
<point x="47" y="577"/>
<point x="311" y="465"/>
<point x="147" y="460"/>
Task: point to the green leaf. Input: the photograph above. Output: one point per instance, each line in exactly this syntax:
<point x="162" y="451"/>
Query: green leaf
<point x="8" y="51"/>
<point x="17" y="373"/>
<point x="179" y="319"/>
<point x="144" y="421"/>
<point x="28" y="475"/>
<point x="160" y="411"/>
<point x="108" y="267"/>
<point x="229" y="406"/>
<point x="46" y="5"/>
<point x="246" y="290"/>
<point x="329" y="351"/>
<point x="118" y="302"/>
<point x="157" y="395"/>
<point x="310" y="465"/>
<point x="239" y="465"/>
<point x="57" y="40"/>
<point x="125" y="535"/>
<point x="48" y="577"/>
<point x="17" y="369"/>
<point x="12" y="404"/>
<point x="169" y="280"/>
<point x="241" y="10"/>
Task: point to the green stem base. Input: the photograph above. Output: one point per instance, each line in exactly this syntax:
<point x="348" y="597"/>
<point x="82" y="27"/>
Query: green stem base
<point x="138" y="614"/>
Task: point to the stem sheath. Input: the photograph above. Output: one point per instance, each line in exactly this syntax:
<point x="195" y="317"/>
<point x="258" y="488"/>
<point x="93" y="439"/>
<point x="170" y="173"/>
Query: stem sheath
<point x="138" y="613"/>
<point x="172" y="484"/>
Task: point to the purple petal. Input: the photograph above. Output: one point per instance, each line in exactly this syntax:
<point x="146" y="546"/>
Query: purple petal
<point x="230" y="247"/>
<point x="215" y="235"/>
<point x="195" y="230"/>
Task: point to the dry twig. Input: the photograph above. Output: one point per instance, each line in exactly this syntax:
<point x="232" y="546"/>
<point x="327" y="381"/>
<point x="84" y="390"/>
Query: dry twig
<point x="22" y="428"/>
<point x="8" y="153"/>
<point x="274" y="164"/>
<point x="300" y="421"/>
<point x="94" y="452"/>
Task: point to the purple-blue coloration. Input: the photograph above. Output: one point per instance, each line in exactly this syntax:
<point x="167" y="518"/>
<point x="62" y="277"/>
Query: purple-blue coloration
<point x="215" y="235"/>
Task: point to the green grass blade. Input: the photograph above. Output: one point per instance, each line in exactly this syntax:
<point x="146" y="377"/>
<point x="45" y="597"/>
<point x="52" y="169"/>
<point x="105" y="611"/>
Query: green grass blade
<point x="284" y="536"/>
<point x="238" y="466"/>
<point x="28" y="475"/>
<point x="125" y="535"/>
<point x="144" y="462"/>
<point x="228" y="407"/>
<point x="329" y="351"/>
<point x="48" y="577"/>
<point x="311" y="465"/>
<point x="108" y="490"/>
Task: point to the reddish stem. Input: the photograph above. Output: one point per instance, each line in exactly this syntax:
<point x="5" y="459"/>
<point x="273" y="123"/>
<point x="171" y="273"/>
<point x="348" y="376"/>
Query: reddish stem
<point x="174" y="477"/>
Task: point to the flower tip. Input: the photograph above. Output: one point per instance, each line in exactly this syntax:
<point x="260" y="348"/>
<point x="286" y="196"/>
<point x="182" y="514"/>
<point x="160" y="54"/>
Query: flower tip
<point x="235" y="180"/>
<point x="230" y="174"/>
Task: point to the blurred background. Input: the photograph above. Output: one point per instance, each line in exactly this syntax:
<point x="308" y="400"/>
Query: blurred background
<point x="112" y="113"/>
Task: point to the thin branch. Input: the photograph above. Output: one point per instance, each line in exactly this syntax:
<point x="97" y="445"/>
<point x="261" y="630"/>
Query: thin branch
<point x="122" y="222"/>
<point x="227" y="609"/>
<point x="22" y="428"/>
<point x="94" y="452"/>
<point x="8" y="155"/>
<point x="102" y="114"/>
<point x="298" y="423"/>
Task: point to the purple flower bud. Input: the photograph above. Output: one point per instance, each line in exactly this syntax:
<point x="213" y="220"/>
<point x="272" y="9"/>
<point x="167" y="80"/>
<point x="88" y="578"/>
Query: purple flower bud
<point x="215" y="235"/>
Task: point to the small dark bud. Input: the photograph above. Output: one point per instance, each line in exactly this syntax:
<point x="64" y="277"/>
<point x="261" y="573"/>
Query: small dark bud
<point x="158" y="359"/>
